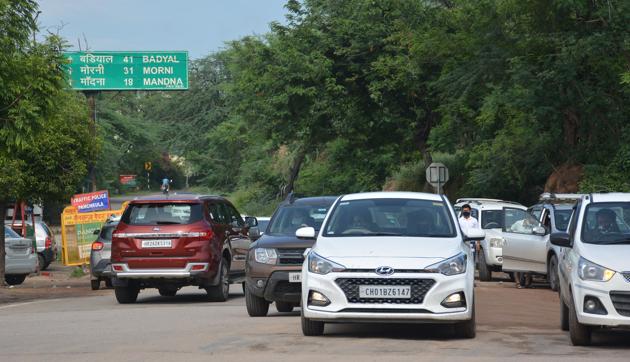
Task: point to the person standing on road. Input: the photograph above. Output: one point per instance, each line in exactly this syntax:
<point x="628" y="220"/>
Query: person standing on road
<point x="467" y="222"/>
<point x="165" y="184"/>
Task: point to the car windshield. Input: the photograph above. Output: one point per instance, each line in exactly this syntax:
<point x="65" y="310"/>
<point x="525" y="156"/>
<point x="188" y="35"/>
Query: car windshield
<point x="162" y="214"/>
<point x="606" y="223"/>
<point x="289" y="218"/>
<point x="262" y="225"/>
<point x="562" y="219"/>
<point x="492" y="219"/>
<point x="9" y="233"/>
<point x="390" y="217"/>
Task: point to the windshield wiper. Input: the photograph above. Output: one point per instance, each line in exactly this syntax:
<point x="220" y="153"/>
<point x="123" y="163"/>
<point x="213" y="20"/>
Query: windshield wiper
<point x="383" y="234"/>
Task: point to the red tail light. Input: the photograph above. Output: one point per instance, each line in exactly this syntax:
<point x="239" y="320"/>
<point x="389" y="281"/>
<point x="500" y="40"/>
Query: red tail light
<point x="48" y="242"/>
<point x="97" y="245"/>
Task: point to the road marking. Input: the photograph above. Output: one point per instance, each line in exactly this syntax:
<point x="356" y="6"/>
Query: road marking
<point x="25" y="303"/>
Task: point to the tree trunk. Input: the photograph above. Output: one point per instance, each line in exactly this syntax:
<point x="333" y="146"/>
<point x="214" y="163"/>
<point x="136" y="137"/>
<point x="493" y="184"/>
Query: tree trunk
<point x="3" y="214"/>
<point x="294" y="171"/>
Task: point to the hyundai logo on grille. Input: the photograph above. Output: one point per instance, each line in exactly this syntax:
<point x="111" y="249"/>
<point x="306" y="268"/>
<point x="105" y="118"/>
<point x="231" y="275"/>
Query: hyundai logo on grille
<point x="384" y="270"/>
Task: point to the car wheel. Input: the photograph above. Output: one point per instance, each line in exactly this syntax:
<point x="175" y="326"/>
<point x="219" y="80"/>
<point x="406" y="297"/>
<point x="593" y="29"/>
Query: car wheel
<point x="311" y="327"/>
<point x="580" y="333"/>
<point x="42" y="262"/>
<point x="221" y="292"/>
<point x="14" y="279"/>
<point x="167" y="292"/>
<point x="564" y="315"/>
<point x="485" y="274"/>
<point x="95" y="284"/>
<point x="126" y="295"/>
<point x="467" y="329"/>
<point x="256" y="306"/>
<point x="552" y="273"/>
<point x="284" y="307"/>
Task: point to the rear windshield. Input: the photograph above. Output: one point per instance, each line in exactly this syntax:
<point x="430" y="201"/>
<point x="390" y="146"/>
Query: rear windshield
<point x="162" y="214"/>
<point x="9" y="233"/>
<point x="492" y="219"/>
<point x="290" y="218"/>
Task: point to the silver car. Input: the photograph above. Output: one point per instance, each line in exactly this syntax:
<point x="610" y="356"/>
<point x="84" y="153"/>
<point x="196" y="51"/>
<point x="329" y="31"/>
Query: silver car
<point x="100" y="264"/>
<point x="21" y="258"/>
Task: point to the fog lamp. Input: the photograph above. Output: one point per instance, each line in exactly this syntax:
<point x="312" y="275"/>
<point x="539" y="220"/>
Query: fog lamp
<point x="592" y="305"/>
<point x="317" y="299"/>
<point x="260" y="283"/>
<point x="455" y="300"/>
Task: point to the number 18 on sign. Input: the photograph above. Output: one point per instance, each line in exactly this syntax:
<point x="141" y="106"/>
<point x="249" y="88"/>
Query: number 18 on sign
<point x="101" y="70"/>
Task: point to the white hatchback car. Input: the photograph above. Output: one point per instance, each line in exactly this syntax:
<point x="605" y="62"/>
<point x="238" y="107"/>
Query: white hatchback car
<point x="389" y="257"/>
<point x="594" y="266"/>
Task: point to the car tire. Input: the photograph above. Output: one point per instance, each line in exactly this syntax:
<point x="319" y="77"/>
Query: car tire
<point x="485" y="274"/>
<point x="126" y="295"/>
<point x="15" y="279"/>
<point x="42" y="262"/>
<point x="467" y="329"/>
<point x="580" y="333"/>
<point x="311" y="327"/>
<point x="167" y="292"/>
<point x="284" y="307"/>
<point x="95" y="284"/>
<point x="564" y="316"/>
<point x="552" y="273"/>
<point x="221" y="292"/>
<point x="256" y="306"/>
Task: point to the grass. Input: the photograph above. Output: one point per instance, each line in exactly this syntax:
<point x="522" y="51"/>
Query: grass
<point x="77" y="272"/>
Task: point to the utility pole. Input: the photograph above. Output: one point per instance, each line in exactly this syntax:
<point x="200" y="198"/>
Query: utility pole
<point x="91" y="99"/>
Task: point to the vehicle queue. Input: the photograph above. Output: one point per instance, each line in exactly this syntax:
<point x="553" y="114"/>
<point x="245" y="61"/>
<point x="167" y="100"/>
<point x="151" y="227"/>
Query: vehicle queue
<point x="386" y="257"/>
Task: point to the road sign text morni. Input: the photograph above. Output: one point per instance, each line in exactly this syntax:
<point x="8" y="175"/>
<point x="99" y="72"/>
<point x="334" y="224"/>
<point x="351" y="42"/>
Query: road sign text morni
<point x="105" y="70"/>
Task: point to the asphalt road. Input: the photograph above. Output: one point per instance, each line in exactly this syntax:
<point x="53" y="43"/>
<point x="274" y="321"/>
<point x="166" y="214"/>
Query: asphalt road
<point x="511" y="323"/>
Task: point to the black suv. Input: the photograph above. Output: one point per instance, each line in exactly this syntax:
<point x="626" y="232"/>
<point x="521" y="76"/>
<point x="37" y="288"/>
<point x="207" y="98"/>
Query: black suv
<point x="274" y="261"/>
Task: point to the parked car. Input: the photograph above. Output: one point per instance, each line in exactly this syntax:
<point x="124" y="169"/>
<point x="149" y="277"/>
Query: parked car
<point x="553" y="211"/>
<point x="274" y="262"/>
<point x="20" y="259"/>
<point x="389" y="257"/>
<point x="490" y="213"/>
<point x="44" y="239"/>
<point x="100" y="254"/>
<point x="594" y="266"/>
<point x="171" y="241"/>
<point x="528" y="250"/>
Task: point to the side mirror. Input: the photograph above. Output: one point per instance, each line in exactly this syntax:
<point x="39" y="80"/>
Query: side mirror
<point x="254" y="233"/>
<point x="539" y="230"/>
<point x="305" y="233"/>
<point x="96" y="232"/>
<point x="561" y="239"/>
<point x="474" y="234"/>
<point x="251" y="221"/>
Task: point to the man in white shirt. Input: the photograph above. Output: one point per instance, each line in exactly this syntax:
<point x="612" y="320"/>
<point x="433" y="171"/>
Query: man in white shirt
<point x="467" y="222"/>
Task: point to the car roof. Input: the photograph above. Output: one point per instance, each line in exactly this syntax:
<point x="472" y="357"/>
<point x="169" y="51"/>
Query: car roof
<point x="490" y="204"/>
<point x="610" y="197"/>
<point x="175" y="197"/>
<point x="317" y="200"/>
<point x="392" y="195"/>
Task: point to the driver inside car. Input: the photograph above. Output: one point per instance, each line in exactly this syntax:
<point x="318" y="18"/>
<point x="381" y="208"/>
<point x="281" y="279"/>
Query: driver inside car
<point x="606" y="221"/>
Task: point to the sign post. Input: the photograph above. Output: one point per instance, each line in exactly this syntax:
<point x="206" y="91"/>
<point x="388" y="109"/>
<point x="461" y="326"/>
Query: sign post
<point x="148" y="166"/>
<point x="437" y="176"/>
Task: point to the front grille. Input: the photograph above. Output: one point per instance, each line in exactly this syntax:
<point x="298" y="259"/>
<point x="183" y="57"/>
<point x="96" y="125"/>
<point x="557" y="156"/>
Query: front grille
<point x="627" y="276"/>
<point x="383" y="310"/>
<point x="290" y="256"/>
<point x="419" y="288"/>
<point x="284" y="287"/>
<point x="621" y="301"/>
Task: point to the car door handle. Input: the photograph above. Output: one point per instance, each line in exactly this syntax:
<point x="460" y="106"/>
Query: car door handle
<point x="239" y="258"/>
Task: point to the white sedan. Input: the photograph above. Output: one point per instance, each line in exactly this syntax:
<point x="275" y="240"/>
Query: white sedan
<point x="389" y="257"/>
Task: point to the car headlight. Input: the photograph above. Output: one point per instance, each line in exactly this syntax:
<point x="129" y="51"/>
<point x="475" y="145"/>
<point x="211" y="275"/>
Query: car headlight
<point x="590" y="271"/>
<point x="452" y="266"/>
<point x="321" y="265"/>
<point x="265" y="255"/>
<point x="497" y="242"/>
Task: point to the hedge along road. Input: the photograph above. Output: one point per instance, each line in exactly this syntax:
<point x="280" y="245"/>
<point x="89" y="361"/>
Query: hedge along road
<point x="511" y="323"/>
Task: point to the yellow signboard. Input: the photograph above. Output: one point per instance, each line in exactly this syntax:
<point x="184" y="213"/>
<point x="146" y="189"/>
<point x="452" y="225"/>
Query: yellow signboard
<point x="77" y="232"/>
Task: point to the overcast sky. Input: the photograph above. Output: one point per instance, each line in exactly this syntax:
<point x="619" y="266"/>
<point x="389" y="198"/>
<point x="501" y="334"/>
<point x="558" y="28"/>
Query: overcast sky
<point x="199" y="26"/>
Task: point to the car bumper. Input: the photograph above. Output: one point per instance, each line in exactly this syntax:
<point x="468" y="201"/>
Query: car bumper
<point x="26" y="265"/>
<point x="429" y="310"/>
<point x="189" y="271"/>
<point x="604" y="291"/>
<point x="494" y="256"/>
<point x="276" y="288"/>
<point x="102" y="268"/>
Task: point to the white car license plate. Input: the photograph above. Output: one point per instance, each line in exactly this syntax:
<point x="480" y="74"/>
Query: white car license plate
<point x="159" y="243"/>
<point x="385" y="291"/>
<point x="295" y="277"/>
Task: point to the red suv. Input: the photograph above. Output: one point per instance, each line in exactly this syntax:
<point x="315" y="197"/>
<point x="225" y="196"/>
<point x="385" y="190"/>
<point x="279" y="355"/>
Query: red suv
<point x="168" y="242"/>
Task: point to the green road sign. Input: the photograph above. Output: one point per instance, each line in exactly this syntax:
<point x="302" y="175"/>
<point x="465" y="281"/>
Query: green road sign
<point x="104" y="70"/>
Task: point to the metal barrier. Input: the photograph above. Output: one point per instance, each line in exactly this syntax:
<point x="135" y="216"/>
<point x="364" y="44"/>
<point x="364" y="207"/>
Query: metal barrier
<point x="77" y="233"/>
